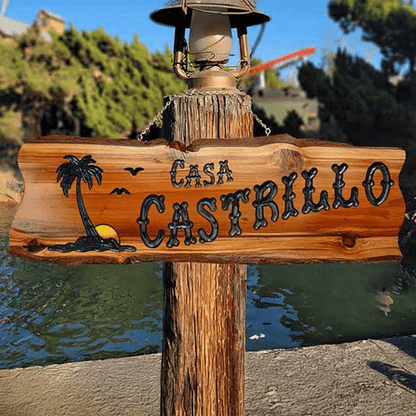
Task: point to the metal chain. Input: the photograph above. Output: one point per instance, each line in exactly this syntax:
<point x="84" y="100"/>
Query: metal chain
<point x="266" y="129"/>
<point x="194" y="92"/>
<point x="158" y="116"/>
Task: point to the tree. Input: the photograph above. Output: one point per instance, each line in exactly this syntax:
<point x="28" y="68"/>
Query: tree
<point x="87" y="84"/>
<point x="292" y="124"/>
<point x="358" y="103"/>
<point x="390" y="24"/>
<point x="80" y="170"/>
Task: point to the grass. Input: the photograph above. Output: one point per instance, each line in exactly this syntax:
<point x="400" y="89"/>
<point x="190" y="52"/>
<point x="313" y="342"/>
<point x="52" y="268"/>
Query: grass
<point x="305" y="108"/>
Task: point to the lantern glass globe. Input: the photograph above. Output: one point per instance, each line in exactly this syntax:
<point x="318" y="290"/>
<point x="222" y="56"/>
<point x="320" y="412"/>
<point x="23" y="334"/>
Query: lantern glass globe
<point x="210" y="39"/>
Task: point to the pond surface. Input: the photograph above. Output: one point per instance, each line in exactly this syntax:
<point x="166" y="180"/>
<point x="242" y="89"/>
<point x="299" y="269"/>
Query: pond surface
<point x="55" y="314"/>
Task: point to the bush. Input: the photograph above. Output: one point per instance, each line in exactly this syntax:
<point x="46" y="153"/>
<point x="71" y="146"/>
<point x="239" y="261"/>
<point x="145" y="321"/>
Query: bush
<point x="88" y="82"/>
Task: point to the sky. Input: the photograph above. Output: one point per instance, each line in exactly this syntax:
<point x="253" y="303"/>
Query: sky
<point x="294" y="25"/>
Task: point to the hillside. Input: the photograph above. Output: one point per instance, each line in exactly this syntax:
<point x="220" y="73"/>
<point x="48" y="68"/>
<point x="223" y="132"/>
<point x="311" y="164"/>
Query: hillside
<point x="86" y="84"/>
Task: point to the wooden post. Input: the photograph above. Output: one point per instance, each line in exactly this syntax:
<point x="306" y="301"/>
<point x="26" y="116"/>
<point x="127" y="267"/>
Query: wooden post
<point x="205" y="304"/>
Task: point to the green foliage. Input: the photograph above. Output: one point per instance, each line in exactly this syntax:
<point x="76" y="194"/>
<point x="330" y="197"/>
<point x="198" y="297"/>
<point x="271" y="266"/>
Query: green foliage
<point x="358" y="104"/>
<point x="332" y="131"/>
<point x="356" y="12"/>
<point x="272" y="79"/>
<point x="106" y="84"/>
<point x="291" y="123"/>
<point x="328" y="59"/>
<point x="389" y="24"/>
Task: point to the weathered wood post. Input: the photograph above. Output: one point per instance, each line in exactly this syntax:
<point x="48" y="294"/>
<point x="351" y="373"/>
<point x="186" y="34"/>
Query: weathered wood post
<point x="205" y="303"/>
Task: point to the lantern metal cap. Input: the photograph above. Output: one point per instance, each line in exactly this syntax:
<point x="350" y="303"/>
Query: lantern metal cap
<point x="240" y="12"/>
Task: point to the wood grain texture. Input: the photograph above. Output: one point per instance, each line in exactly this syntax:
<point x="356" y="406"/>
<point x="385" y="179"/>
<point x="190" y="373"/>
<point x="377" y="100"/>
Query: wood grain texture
<point x="208" y="116"/>
<point x="46" y="217"/>
<point x="204" y="309"/>
<point x="204" y="339"/>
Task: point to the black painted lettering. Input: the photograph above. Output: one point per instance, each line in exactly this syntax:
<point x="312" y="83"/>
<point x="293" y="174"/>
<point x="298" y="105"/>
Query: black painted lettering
<point x="211" y="203"/>
<point x="386" y="183"/>
<point x="193" y="175"/>
<point x="308" y="191"/>
<point x="143" y="220"/>
<point x="339" y="184"/>
<point x="263" y="201"/>
<point x="235" y="214"/>
<point x="180" y="213"/>
<point x="207" y="168"/>
<point x="224" y="170"/>
<point x="289" y="196"/>
<point x="173" y="171"/>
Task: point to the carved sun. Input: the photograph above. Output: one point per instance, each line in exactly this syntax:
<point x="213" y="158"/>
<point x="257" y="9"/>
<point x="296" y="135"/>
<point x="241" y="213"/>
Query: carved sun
<point x="107" y="231"/>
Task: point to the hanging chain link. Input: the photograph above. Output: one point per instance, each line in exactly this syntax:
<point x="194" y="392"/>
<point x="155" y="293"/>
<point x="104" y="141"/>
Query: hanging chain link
<point x="266" y="129"/>
<point x="194" y="92"/>
<point x="158" y="116"/>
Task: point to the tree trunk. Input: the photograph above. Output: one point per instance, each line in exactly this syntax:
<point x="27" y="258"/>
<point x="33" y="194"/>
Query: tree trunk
<point x="86" y="221"/>
<point x="204" y="311"/>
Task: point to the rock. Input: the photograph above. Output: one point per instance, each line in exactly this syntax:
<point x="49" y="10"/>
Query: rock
<point x="11" y="189"/>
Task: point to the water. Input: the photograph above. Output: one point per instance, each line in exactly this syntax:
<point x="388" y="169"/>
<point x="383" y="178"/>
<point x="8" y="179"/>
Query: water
<point x="299" y="305"/>
<point x="55" y="314"/>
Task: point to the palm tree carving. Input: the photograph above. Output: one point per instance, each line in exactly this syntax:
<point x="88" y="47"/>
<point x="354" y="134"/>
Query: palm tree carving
<point x="81" y="170"/>
<point x="85" y="171"/>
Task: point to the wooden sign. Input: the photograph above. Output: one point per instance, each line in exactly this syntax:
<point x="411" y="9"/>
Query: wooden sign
<point x="264" y="200"/>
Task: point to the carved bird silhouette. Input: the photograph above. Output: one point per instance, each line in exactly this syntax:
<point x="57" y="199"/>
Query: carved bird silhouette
<point x="134" y="171"/>
<point x="120" y="191"/>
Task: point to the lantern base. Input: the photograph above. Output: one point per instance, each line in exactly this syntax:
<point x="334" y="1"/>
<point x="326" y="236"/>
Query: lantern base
<point x="212" y="79"/>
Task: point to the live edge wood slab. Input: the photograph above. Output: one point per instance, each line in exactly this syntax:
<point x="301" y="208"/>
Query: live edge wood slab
<point x="264" y="200"/>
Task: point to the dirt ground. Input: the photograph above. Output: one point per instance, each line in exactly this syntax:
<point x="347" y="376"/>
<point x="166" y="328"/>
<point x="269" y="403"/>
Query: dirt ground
<point x="371" y="378"/>
<point x="361" y="378"/>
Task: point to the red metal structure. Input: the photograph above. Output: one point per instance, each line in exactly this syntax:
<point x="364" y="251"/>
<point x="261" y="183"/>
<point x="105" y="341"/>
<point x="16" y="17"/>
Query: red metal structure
<point x="284" y="60"/>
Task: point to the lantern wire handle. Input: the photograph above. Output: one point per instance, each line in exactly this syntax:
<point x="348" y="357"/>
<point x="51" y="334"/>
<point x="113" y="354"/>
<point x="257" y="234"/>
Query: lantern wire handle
<point x="258" y="40"/>
<point x="180" y="64"/>
<point x="183" y="4"/>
